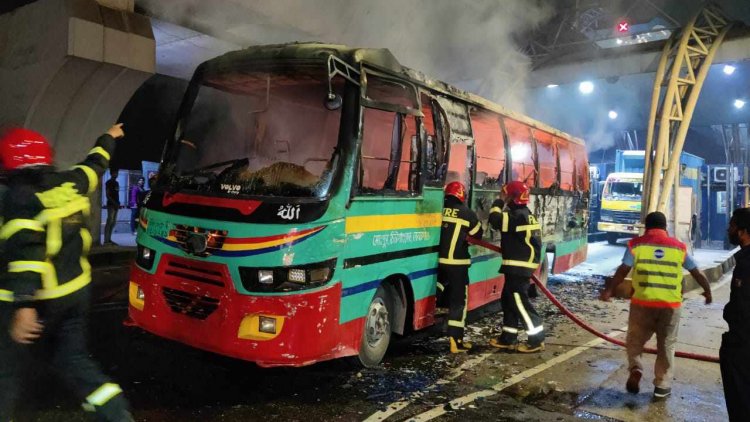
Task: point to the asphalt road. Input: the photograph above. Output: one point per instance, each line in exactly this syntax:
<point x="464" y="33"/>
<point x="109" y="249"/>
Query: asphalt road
<point x="575" y="378"/>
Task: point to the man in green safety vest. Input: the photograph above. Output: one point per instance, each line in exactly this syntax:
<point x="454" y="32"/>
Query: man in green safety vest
<point x="658" y="260"/>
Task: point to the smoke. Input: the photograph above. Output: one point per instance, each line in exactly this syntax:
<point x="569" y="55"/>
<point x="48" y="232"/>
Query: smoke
<point x="466" y="43"/>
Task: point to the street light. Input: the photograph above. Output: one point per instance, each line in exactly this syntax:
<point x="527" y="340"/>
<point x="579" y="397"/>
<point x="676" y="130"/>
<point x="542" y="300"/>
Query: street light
<point x="552" y="86"/>
<point x="586" y="87"/>
<point x="739" y="103"/>
<point x="729" y="69"/>
<point x="612" y="114"/>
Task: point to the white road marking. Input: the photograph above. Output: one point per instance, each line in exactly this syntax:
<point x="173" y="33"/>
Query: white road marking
<point x="463" y="401"/>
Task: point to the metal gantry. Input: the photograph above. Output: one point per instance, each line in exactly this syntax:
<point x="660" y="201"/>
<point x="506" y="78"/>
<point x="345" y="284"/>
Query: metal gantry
<point x="683" y="68"/>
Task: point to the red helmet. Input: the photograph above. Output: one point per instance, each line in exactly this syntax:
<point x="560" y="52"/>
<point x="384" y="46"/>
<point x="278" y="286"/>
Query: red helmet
<point x="21" y="147"/>
<point x="456" y="189"/>
<point x="517" y="191"/>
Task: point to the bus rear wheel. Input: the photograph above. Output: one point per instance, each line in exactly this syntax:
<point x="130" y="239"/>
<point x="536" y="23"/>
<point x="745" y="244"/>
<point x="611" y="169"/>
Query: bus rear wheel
<point x="376" y="335"/>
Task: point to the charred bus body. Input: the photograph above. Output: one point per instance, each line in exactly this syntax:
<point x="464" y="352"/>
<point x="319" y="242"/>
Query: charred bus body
<point x="298" y="208"/>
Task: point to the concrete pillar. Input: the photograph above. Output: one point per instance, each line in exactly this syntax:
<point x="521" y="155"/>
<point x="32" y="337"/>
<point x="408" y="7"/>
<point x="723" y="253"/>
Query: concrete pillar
<point x="67" y="69"/>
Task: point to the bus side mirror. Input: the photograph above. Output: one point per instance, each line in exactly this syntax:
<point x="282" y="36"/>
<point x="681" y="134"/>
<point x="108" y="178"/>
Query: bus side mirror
<point x="333" y="101"/>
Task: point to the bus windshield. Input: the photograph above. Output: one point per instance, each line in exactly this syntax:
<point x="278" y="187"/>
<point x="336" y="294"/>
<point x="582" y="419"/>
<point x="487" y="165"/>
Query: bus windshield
<point x="623" y="189"/>
<point x="260" y="132"/>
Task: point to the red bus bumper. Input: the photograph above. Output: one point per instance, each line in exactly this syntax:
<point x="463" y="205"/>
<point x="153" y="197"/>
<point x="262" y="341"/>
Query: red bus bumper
<point x="195" y="303"/>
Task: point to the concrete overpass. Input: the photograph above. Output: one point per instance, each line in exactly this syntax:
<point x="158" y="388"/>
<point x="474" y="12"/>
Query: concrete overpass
<point x="72" y="72"/>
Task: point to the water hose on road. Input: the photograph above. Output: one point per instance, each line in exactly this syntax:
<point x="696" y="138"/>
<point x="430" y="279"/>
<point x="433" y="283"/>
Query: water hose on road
<point x="582" y="323"/>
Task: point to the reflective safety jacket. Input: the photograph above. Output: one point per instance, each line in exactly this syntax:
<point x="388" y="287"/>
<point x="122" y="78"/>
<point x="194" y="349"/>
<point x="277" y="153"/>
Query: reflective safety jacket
<point x="44" y="228"/>
<point x="657" y="271"/>
<point x="520" y="238"/>
<point x="458" y="222"/>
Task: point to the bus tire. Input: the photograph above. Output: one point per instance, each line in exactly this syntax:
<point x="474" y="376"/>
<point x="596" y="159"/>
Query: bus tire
<point x="612" y="238"/>
<point x="376" y="335"/>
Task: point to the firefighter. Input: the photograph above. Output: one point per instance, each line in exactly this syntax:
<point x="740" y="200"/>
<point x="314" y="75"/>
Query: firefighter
<point x="521" y="248"/>
<point x="44" y="293"/>
<point x="459" y="222"/>
<point x="658" y="260"/>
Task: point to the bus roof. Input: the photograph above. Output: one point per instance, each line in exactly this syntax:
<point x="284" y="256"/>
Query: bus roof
<point x="381" y="59"/>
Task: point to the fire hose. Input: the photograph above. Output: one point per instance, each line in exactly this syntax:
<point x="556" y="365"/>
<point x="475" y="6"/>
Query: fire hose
<point x="582" y="323"/>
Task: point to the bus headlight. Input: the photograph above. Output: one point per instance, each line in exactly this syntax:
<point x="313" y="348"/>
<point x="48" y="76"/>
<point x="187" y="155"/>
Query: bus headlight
<point x="265" y="277"/>
<point x="267" y="325"/>
<point x="145" y="257"/>
<point x="287" y="279"/>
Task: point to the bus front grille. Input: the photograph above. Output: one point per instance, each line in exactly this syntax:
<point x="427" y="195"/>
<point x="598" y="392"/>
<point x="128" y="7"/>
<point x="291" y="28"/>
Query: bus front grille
<point x="194" y="271"/>
<point x="192" y="305"/>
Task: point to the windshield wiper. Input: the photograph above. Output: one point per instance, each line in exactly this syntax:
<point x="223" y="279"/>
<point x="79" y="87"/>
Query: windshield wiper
<point x="236" y="163"/>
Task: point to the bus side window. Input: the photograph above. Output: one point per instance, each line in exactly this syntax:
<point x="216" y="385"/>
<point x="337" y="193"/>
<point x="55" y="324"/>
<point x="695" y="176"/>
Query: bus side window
<point x="490" y="147"/>
<point x="388" y="155"/>
<point x="436" y="145"/>
<point x="547" y="157"/>
<point x="567" y="165"/>
<point x="582" y="167"/>
<point x="521" y="152"/>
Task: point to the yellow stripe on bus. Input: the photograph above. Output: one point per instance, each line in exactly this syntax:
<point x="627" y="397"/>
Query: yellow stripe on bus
<point x="374" y="223"/>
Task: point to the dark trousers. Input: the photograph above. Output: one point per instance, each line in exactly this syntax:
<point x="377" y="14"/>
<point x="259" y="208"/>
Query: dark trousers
<point x="63" y="348"/>
<point x="134" y="219"/>
<point x="734" y="356"/>
<point x="455" y="279"/>
<point x="111" y="221"/>
<point x="519" y="312"/>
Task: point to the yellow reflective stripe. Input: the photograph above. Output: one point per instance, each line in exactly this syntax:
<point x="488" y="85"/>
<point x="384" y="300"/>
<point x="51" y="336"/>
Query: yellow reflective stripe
<point x="34" y="266"/>
<point x="458" y="221"/>
<point x="6" y="296"/>
<point x="45" y="269"/>
<point x="454" y="240"/>
<point x="510" y="330"/>
<point x="91" y="175"/>
<point x="451" y="261"/>
<point x="532" y="252"/>
<point x="495" y="209"/>
<point x="440" y="286"/>
<point x="54" y="237"/>
<point x="466" y="304"/>
<point x="14" y="226"/>
<point x="86" y="240"/>
<point x="462" y="323"/>
<point x="475" y="229"/>
<point x="514" y="263"/>
<point x="505" y="222"/>
<point x="103" y="394"/>
<point x="528" y="227"/>
<point x="530" y="329"/>
<point x="101" y="151"/>
<point x="80" y="204"/>
<point x="69" y="287"/>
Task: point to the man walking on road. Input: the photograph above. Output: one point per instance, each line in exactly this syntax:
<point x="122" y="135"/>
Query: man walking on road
<point x="735" y="343"/>
<point x="658" y="260"/>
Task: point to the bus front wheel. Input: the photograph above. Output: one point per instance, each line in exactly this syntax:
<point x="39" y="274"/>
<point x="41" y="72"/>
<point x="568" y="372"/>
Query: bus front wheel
<point x="376" y="335"/>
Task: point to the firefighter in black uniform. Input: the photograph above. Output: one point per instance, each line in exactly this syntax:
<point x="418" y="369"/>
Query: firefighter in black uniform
<point x="521" y="248"/>
<point x="734" y="354"/>
<point x="453" y="265"/>
<point x="44" y="294"/>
